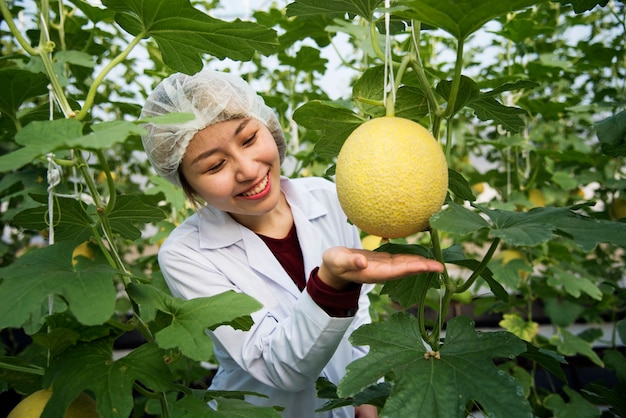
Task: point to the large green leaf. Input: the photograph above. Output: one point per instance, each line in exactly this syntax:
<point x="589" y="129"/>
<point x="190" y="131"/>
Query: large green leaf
<point x="460" y="18"/>
<point x="42" y="137"/>
<point x="39" y="138"/>
<point x="191" y="318"/>
<point x="88" y="288"/>
<point x="75" y="221"/>
<point x="75" y="224"/>
<point x="534" y="227"/>
<point x="90" y="366"/>
<point x="184" y="33"/>
<point x="442" y="385"/>
<point x="105" y="135"/>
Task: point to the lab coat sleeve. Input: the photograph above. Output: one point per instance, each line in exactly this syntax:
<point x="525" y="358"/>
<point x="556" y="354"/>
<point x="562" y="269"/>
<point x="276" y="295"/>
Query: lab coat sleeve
<point x="288" y="354"/>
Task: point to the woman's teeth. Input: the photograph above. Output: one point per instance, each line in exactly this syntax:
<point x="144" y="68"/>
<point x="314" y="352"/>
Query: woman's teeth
<point x="259" y="188"/>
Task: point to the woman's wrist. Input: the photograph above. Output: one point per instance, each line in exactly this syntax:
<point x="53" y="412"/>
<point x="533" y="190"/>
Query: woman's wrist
<point x="325" y="276"/>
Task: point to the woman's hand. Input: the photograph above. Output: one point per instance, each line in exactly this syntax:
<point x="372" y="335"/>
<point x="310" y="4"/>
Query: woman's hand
<point x="365" y="411"/>
<point x="341" y="265"/>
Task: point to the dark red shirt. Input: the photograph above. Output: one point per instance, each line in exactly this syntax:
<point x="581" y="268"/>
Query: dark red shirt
<point x="337" y="303"/>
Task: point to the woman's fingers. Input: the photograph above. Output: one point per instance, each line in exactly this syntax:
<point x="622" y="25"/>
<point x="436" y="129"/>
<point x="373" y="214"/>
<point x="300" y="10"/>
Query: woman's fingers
<point x="363" y="266"/>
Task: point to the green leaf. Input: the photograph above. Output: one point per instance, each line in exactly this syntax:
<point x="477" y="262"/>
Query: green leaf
<point x="368" y="93"/>
<point x="407" y="291"/>
<point x="88" y="288"/>
<point x="581" y="6"/>
<point x="306" y="8"/>
<point x="306" y="59"/>
<point x="373" y="395"/>
<point x="540" y="224"/>
<point x="105" y="135"/>
<point x="190" y="406"/>
<point x="424" y="385"/>
<point x="92" y="367"/>
<point x="191" y="318"/>
<point x="131" y="209"/>
<point x="39" y="138"/>
<point x="549" y="360"/>
<point x="485" y="105"/>
<point x="42" y="137"/>
<point x="613" y="397"/>
<point x="525" y="330"/>
<point x="562" y="312"/>
<point x="573" y="284"/>
<point x="615" y="360"/>
<point x="74" y="57"/>
<point x="75" y="224"/>
<point x="569" y="344"/>
<point x="459" y="186"/>
<point x="184" y="33"/>
<point x="577" y="407"/>
<point x="612" y="134"/>
<point x="336" y="121"/>
<point x="458" y="219"/>
<point x="18" y="86"/>
<point x="460" y="18"/>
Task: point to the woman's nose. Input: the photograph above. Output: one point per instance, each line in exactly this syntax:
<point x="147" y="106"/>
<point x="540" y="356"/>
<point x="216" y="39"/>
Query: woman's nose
<point x="246" y="169"/>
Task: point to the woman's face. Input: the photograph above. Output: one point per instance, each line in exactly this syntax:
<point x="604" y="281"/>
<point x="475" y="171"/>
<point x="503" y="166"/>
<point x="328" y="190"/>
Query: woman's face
<point x="234" y="166"/>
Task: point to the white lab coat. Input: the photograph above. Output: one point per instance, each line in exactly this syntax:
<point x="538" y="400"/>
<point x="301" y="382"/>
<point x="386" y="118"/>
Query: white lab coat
<point x="293" y="341"/>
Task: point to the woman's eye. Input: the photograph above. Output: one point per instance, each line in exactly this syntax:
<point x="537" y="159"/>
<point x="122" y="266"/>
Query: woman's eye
<point x="215" y="167"/>
<point x="250" y="140"/>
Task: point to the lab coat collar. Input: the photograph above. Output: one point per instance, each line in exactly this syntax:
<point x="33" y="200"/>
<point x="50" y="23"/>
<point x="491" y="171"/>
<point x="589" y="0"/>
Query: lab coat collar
<point x="218" y="229"/>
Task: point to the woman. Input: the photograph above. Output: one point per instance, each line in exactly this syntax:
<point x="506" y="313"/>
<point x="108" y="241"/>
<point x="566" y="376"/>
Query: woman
<point x="284" y="242"/>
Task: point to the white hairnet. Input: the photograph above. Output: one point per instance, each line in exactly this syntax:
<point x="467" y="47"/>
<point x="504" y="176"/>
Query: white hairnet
<point x="212" y="97"/>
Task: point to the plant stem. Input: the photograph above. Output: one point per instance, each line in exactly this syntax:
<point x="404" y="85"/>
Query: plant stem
<point x="91" y="95"/>
<point x="456" y="81"/>
<point x="445" y="304"/>
<point x="434" y="234"/>
<point x="31" y="369"/>
<point x="161" y="396"/>
<point x="448" y="286"/>
<point x="369" y="101"/>
<point x="481" y="267"/>
<point x="418" y="67"/>
<point x="422" y="308"/>
<point x="116" y="262"/>
<point x="110" y="183"/>
<point x="390" y="105"/>
<point x="43" y="52"/>
<point x="374" y="38"/>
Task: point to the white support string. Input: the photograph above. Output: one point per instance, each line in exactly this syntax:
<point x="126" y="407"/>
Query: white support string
<point x="389" y="83"/>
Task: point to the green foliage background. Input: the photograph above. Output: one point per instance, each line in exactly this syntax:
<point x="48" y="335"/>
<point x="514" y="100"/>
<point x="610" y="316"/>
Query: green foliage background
<point x="527" y="98"/>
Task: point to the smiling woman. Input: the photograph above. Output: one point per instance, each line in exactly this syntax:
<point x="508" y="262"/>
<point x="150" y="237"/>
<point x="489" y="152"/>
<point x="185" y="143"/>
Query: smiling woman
<point x="285" y="242"/>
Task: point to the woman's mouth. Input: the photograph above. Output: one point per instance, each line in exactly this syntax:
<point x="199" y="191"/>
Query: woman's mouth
<point x="260" y="190"/>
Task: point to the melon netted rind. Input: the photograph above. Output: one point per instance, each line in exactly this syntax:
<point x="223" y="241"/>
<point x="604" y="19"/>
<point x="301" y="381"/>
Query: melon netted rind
<point x="391" y="176"/>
